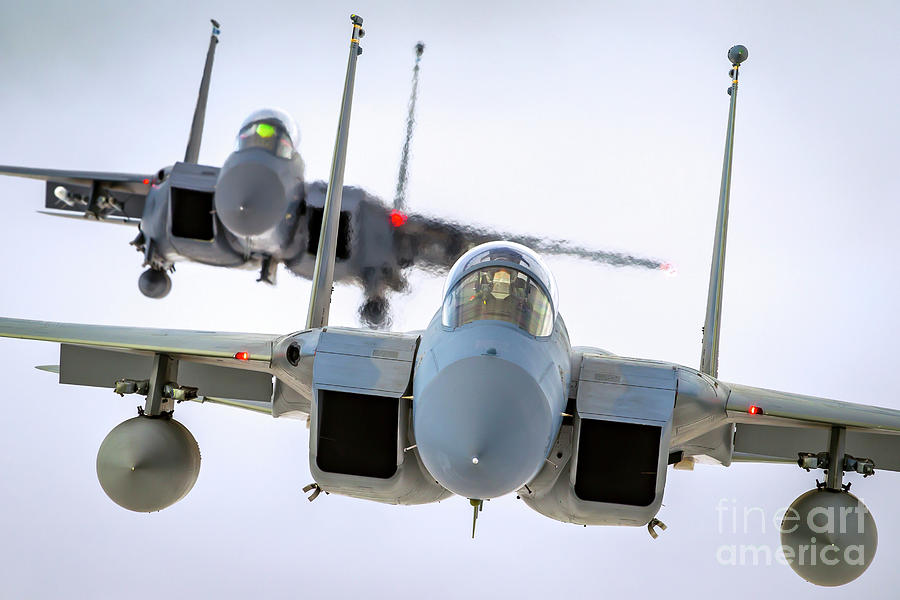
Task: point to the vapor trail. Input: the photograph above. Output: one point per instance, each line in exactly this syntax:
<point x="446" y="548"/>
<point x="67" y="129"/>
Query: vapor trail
<point x="437" y="243"/>
<point x="616" y="259"/>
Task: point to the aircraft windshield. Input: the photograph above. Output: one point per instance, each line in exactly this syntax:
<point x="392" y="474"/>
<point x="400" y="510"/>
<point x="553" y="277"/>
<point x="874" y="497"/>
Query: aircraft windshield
<point x="271" y="129"/>
<point x="511" y="254"/>
<point x="499" y="293"/>
<point x="269" y="136"/>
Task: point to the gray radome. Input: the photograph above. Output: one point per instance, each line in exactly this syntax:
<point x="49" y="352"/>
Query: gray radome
<point x="250" y="198"/>
<point x="147" y="464"/>
<point x="831" y="535"/>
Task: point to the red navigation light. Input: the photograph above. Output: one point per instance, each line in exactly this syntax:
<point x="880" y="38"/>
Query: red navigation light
<point x="398" y="219"/>
<point x="244" y="355"/>
<point x="146" y="181"/>
<point x="755" y="410"/>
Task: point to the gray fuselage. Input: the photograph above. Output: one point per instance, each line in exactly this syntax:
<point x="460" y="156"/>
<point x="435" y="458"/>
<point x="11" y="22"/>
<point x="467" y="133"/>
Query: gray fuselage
<point x="488" y="403"/>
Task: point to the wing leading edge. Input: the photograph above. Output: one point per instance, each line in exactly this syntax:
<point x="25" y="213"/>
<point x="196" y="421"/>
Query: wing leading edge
<point x="182" y="344"/>
<point x="781" y="408"/>
<point x="131" y="182"/>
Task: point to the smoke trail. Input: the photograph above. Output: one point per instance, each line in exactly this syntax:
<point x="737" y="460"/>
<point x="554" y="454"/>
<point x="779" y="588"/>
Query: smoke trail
<point x="400" y="195"/>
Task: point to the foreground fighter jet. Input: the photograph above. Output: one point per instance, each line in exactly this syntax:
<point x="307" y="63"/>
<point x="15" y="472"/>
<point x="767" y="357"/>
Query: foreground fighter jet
<point x="489" y="399"/>
<point x="258" y="211"/>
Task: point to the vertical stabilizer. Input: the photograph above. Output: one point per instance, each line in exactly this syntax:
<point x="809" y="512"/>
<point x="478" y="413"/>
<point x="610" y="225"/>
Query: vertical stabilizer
<point x="709" y="358"/>
<point x="193" y="146"/>
<point x="323" y="276"/>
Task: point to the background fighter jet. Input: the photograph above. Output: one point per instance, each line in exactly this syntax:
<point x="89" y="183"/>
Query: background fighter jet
<point x="258" y="211"/>
<point x="491" y="398"/>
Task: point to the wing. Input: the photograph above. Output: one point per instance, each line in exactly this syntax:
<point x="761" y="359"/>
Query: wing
<point x="180" y="343"/>
<point x="113" y="196"/>
<point x="225" y="368"/>
<point x="728" y="422"/>
<point x="233" y="369"/>
<point x="774" y="426"/>
<point x="437" y="243"/>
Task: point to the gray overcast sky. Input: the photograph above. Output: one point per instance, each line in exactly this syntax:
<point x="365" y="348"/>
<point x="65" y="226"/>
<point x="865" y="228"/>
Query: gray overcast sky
<point x="602" y="123"/>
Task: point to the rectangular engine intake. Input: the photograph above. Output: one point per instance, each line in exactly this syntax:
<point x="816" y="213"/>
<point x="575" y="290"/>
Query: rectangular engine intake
<point x="191" y="192"/>
<point x="358" y="434"/>
<point x="609" y="464"/>
<point x="361" y="416"/>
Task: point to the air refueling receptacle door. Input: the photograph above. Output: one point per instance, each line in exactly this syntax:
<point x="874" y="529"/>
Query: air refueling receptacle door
<point x="622" y="436"/>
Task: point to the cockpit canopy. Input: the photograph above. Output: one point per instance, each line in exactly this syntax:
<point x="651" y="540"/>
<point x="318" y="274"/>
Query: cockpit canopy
<point x="501" y="281"/>
<point x="271" y="129"/>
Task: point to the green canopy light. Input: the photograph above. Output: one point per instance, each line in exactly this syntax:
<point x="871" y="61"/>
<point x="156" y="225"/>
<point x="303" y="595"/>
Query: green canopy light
<point x="264" y="130"/>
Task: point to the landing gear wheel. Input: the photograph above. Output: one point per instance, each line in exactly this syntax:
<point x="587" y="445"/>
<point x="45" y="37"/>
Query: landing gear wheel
<point x="154" y="284"/>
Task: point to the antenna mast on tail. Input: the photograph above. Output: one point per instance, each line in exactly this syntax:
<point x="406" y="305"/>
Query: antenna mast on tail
<point x="323" y="276"/>
<point x="709" y="357"/>
<point x="192" y="153"/>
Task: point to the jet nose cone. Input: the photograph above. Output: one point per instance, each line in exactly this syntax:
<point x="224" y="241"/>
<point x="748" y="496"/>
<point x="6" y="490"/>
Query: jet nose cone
<point x="250" y="198"/>
<point x="483" y="426"/>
